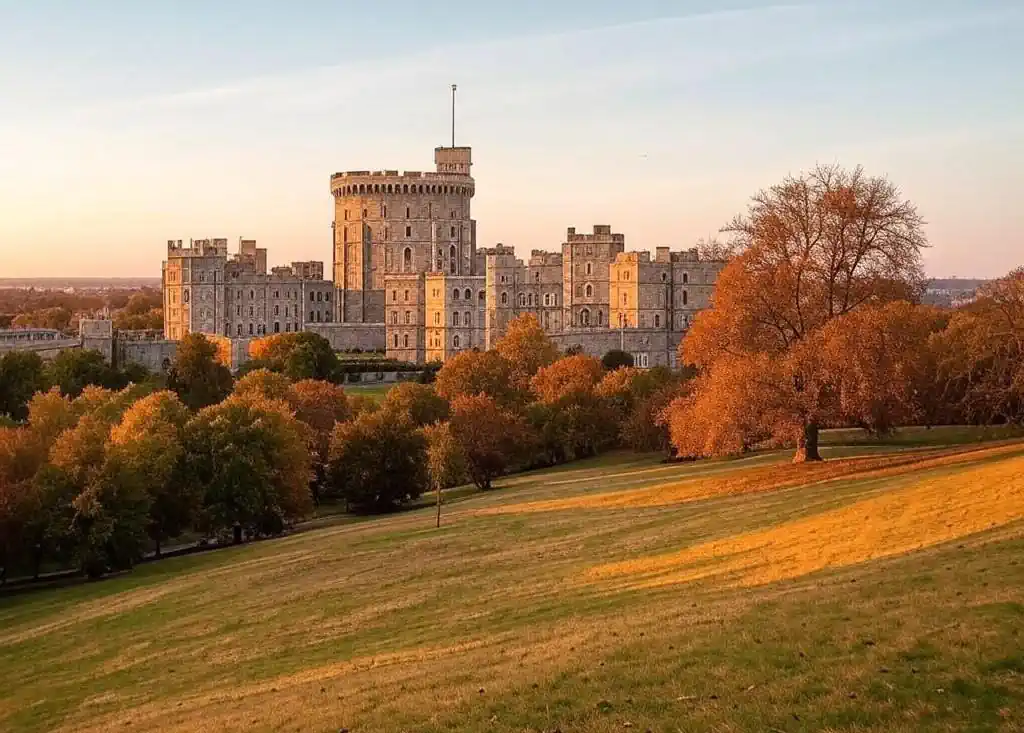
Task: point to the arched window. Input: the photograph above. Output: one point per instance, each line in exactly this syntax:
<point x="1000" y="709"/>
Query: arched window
<point x="600" y="318"/>
<point x="468" y="295"/>
<point x="686" y="278"/>
<point x="455" y="341"/>
<point x="184" y="296"/>
<point x="504" y="298"/>
<point x="590" y="269"/>
<point x="407" y="259"/>
<point x="455" y="318"/>
<point x="252" y="294"/>
<point x="664" y="276"/>
<point x="408" y="317"/>
<point x="396" y="340"/>
<point x="686" y="298"/>
<point x="453" y="255"/>
<point x="455" y="294"/>
<point x="589" y="290"/>
<point x="522" y="299"/>
<point x="467" y="319"/>
<point x="394" y="318"/>
<point x="657" y="321"/>
<point x="529" y="299"/>
<point x="405" y="341"/>
<point x="585" y="317"/>
<point x="405" y="295"/>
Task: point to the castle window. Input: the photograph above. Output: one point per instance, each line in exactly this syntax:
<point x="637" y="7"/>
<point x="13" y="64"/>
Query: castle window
<point x="600" y="318"/>
<point x="453" y="232"/>
<point x="686" y="278"/>
<point x="319" y="297"/>
<point x="394" y="295"/>
<point x="394" y="317"/>
<point x="664" y="277"/>
<point x="529" y="299"/>
<point x="453" y="255"/>
<point x="287" y="328"/>
<point x="585" y="317"/>
<point x="625" y="298"/>
<point x="405" y="295"/>
<point x="277" y="294"/>
<point x="455" y="341"/>
<point x="467" y="319"/>
<point x="468" y="295"/>
<point x="184" y="296"/>
<point x="384" y="212"/>
<point x="311" y="316"/>
<point x="277" y="310"/>
<point x="327" y="316"/>
<point x="455" y="294"/>
<point x="250" y="329"/>
<point x="536" y="276"/>
<point x="364" y="213"/>
<point x="482" y="296"/>
<point x="547" y="299"/>
<point x="504" y="279"/>
<point x="252" y="294"/>
<point x="589" y="290"/>
<point x="504" y="298"/>
<point x="407" y="208"/>
<point x="250" y="312"/>
<point x="408" y="232"/>
<point x="408" y="317"/>
<point x="396" y="340"/>
<point x="405" y="341"/>
<point x="327" y="297"/>
<point x="453" y="213"/>
<point x="685" y="298"/>
<point x="455" y="318"/>
<point x="345" y="217"/>
<point x="657" y="321"/>
<point x="387" y="234"/>
<point x="437" y="318"/>
<point x="238" y="310"/>
<point x="239" y="329"/>
<point x="590" y="269"/>
<point x="522" y="299"/>
<point x="407" y="255"/>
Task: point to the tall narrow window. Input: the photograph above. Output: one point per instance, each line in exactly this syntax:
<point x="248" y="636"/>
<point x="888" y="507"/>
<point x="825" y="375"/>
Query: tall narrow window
<point x="408" y="232"/>
<point x="408" y="317"/>
<point x="686" y="298"/>
<point x="407" y="255"/>
<point x="405" y="341"/>
<point x="455" y="341"/>
<point x="589" y="290"/>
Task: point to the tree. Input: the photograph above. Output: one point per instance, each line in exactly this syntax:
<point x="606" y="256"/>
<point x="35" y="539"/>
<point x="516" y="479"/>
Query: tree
<point x="21" y="456"/>
<point x="877" y="359"/>
<point x="417" y="403"/>
<point x="249" y="458"/>
<point x="264" y="383"/>
<point x="21" y="376"/>
<point x="320" y="406"/>
<point x="979" y="357"/>
<point x="478" y="372"/>
<point x="640" y="396"/>
<point x="446" y="463"/>
<point x="300" y="355"/>
<point x="149" y="443"/>
<point x="811" y="249"/>
<point x="49" y="414"/>
<point x="568" y="377"/>
<point x="526" y="347"/>
<point x="72" y="370"/>
<point x="491" y="437"/>
<point x="616" y="359"/>
<point x="197" y="376"/>
<point x="377" y="462"/>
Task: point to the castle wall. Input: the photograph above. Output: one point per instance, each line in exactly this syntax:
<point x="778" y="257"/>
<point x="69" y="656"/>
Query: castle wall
<point x="345" y="336"/>
<point x="649" y="347"/>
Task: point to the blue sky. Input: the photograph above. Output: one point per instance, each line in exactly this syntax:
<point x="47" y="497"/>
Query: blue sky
<point x="126" y="123"/>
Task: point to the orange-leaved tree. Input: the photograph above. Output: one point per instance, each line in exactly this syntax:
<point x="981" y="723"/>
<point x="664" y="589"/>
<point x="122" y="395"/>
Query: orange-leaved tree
<point x="527" y="348"/>
<point x="478" y="372"/>
<point x="811" y="249"/>
<point x="491" y="437"/>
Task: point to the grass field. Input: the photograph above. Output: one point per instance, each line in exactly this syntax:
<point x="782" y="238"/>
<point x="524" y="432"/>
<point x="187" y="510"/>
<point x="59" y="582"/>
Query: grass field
<point x="881" y="591"/>
<point x="373" y="391"/>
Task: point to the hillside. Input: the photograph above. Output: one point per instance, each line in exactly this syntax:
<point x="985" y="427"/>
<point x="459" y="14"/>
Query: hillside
<point x="879" y="591"/>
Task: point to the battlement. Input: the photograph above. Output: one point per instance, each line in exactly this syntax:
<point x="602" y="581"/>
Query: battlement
<point x="633" y="258"/>
<point x="601" y="233"/>
<point x="217" y="247"/>
<point x="498" y="249"/>
<point x="542" y="258"/>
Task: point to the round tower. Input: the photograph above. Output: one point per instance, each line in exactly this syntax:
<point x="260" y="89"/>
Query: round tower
<point x="388" y="222"/>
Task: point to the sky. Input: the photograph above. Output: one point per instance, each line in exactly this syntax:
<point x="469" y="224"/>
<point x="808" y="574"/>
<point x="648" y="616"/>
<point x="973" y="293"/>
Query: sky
<point x="124" y="124"/>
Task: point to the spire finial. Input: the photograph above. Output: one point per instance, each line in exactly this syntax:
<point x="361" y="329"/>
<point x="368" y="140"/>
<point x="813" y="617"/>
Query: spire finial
<point x="453" y="114"/>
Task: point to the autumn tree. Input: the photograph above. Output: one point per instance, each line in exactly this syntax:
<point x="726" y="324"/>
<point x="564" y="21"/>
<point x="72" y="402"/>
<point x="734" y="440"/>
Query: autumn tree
<point x="197" y="375"/>
<point x="640" y="396"/>
<point x="568" y="377"/>
<point x="320" y="406"/>
<point x="418" y="403"/>
<point x="149" y="443"/>
<point x="299" y="355"/>
<point x="263" y="383"/>
<point x="526" y="347"/>
<point x="21" y="456"/>
<point x="251" y="462"/>
<point x="49" y="414"/>
<point x="377" y="462"/>
<point x="811" y="249"/>
<point x="446" y="463"/>
<point x="492" y="437"/>
<point x="478" y="372"/>
<point x="980" y="355"/>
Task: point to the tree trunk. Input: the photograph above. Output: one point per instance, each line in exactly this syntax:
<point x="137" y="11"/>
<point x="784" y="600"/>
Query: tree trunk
<point x="807" y="445"/>
<point x="157" y="553"/>
<point x="439" y="505"/>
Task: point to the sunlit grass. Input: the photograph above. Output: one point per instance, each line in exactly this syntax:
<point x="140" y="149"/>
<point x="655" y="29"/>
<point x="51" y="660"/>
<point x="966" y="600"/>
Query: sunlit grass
<point x="516" y="621"/>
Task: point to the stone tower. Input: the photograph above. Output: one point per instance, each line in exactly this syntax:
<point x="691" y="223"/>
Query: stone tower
<point x="391" y="223"/>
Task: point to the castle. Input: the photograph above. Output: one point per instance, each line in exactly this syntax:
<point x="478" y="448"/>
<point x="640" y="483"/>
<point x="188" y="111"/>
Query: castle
<point x="409" y="278"/>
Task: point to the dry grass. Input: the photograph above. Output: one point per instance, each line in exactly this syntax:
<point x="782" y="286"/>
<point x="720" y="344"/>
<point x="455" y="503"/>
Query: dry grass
<point x="769" y="478"/>
<point x="925" y="514"/>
